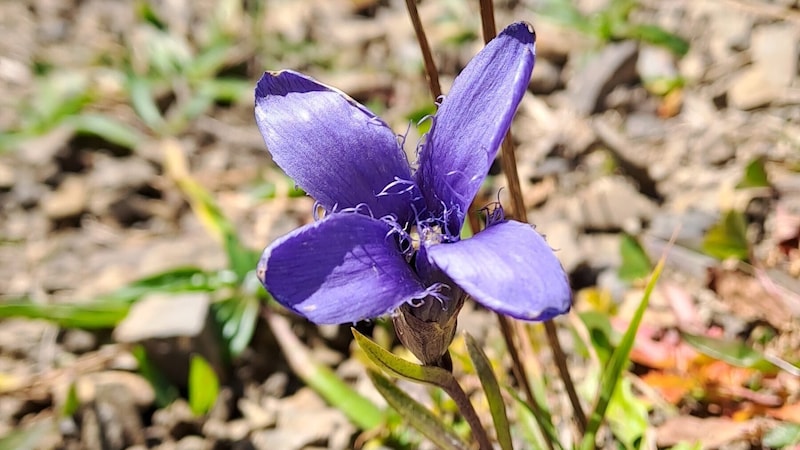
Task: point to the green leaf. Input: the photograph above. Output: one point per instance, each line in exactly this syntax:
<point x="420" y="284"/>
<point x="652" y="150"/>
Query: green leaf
<point x="601" y="333"/>
<point x="165" y="391"/>
<point x="237" y="320"/>
<point x="393" y="364"/>
<point x="732" y="352"/>
<point x="755" y="175"/>
<point x="784" y="435"/>
<point x="99" y="314"/>
<point x="491" y="388"/>
<point x="181" y="279"/>
<point x="627" y="416"/>
<point x="728" y="238"/>
<point x="106" y="128"/>
<point x="416" y="415"/>
<point x="203" y="386"/>
<point x="241" y="260"/>
<point x="635" y="262"/>
<point x="144" y="104"/>
<point x="541" y="417"/>
<point x="619" y="359"/>
<point x="71" y="402"/>
<point x="658" y="36"/>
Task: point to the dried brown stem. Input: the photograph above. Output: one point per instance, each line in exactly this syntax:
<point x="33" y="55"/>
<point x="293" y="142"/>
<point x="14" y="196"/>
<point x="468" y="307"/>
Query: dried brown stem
<point x="430" y="67"/>
<point x="508" y="162"/>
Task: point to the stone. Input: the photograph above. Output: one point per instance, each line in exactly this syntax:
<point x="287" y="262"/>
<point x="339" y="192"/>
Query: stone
<point x="69" y="200"/>
<point x="751" y="89"/>
<point x="7" y="176"/>
<point x="562" y="237"/>
<point x="172" y="328"/>
<point x="612" y="66"/>
<point x="164" y="316"/>
<point x="545" y="78"/>
<point x="610" y="204"/>
<point x="774" y="49"/>
<point x="134" y="385"/>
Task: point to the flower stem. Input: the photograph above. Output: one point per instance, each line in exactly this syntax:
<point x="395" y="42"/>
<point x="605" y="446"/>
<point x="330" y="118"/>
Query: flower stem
<point x="509" y="164"/>
<point x="458" y="395"/>
<point x="430" y="66"/>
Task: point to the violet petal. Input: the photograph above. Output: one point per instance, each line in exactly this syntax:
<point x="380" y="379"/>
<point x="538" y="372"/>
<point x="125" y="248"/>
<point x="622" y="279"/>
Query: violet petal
<point x="332" y="146"/>
<point x="508" y="268"/>
<point x="472" y="121"/>
<point x="343" y="268"/>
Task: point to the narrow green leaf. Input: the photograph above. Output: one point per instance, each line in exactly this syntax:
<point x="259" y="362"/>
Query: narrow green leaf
<point x="241" y="260"/>
<point x="100" y="314"/>
<point x="181" y="279"/>
<point x="784" y="435"/>
<point x="619" y="359"/>
<point x="237" y="319"/>
<point x="359" y="409"/>
<point x="416" y="415"/>
<point x="732" y="352"/>
<point x="71" y="402"/>
<point x="755" y="175"/>
<point x="728" y="238"/>
<point x="635" y="262"/>
<point x="656" y="35"/>
<point x="203" y="386"/>
<point x="106" y="128"/>
<point x="399" y="366"/>
<point x="491" y="388"/>
<point x="144" y="104"/>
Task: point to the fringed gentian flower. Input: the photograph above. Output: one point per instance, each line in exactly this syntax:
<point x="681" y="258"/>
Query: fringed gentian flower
<point x="389" y="241"/>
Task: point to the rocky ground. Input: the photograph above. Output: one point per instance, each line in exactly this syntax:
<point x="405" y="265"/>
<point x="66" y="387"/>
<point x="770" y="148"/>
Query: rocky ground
<point x="615" y="136"/>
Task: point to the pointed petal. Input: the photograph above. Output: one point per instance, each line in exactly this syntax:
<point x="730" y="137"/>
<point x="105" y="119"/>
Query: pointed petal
<point x="508" y="268"/>
<point x="332" y="146"/>
<point x="343" y="268"/>
<point x="472" y="121"/>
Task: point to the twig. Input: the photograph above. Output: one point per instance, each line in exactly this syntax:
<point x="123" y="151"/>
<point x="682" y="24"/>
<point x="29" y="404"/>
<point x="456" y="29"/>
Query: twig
<point x="509" y="164"/>
<point x="430" y="67"/>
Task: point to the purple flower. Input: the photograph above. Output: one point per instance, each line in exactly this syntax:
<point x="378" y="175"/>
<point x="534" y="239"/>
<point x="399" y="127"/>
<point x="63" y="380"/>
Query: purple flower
<point x="390" y="234"/>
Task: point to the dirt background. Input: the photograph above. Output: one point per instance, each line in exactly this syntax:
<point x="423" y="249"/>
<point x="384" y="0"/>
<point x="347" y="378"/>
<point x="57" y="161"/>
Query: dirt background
<point x="607" y="143"/>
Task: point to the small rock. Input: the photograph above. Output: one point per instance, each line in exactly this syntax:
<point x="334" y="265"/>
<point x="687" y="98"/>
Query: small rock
<point x="775" y="50"/>
<point x="545" y="77"/>
<point x="68" y="200"/>
<point x="164" y="316"/>
<point x="610" y="203"/>
<point x="110" y="173"/>
<point x="194" y="443"/>
<point x="79" y="341"/>
<point x="730" y="32"/>
<point x="257" y="417"/>
<point x="562" y="236"/>
<point x="135" y="386"/>
<point x="614" y="65"/>
<point x="654" y="64"/>
<point x="7" y="176"/>
<point x="752" y="89"/>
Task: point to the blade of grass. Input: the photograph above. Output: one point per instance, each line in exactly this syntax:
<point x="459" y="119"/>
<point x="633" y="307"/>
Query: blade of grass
<point x="102" y="314"/>
<point x="415" y="414"/>
<point x="240" y="259"/>
<point x="491" y="388"/>
<point x="620" y="357"/>
<point x="360" y="410"/>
